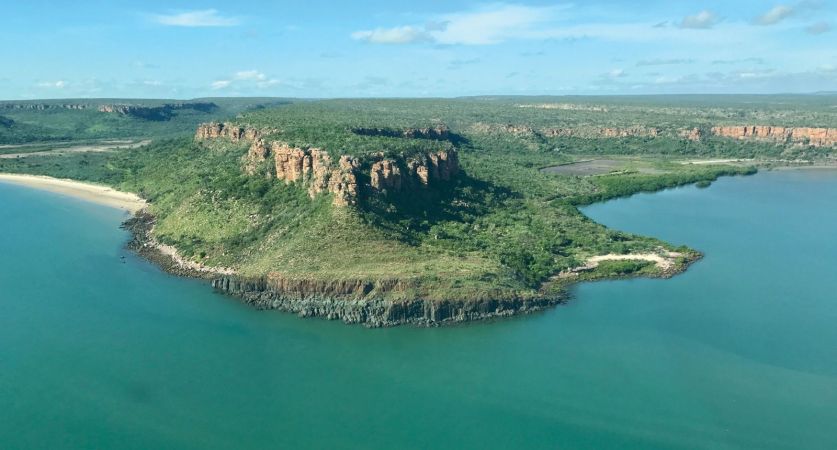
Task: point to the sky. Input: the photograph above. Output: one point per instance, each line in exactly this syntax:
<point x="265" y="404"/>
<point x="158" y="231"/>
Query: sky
<point x="397" y="48"/>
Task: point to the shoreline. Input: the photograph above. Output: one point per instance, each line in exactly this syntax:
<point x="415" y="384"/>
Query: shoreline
<point x="93" y="193"/>
<point x="318" y="302"/>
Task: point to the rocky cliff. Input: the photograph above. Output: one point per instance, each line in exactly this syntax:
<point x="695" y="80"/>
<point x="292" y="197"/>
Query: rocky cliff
<point x="319" y="172"/>
<point x="436" y="132"/>
<point x="156" y="113"/>
<point x="235" y="133"/>
<point x="578" y="132"/>
<point x="606" y="132"/>
<point x="44" y="106"/>
<point x="361" y="302"/>
<point x="817" y="137"/>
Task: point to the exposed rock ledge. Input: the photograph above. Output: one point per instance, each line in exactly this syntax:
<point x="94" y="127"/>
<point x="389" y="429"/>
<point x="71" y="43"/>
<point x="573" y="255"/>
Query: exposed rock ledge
<point x="317" y="170"/>
<point x="351" y="302"/>
<point x="815" y="137"/>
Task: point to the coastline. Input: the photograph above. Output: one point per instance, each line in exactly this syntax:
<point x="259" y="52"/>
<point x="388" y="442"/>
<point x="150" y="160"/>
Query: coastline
<point x="315" y="300"/>
<point x="93" y="193"/>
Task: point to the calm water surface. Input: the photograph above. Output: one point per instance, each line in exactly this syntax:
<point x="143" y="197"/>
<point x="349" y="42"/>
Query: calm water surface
<point x="739" y="352"/>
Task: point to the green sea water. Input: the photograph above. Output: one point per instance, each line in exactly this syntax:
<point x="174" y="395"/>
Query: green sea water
<point x="739" y="352"/>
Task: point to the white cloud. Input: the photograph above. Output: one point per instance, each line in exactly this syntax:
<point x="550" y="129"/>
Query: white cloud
<point x="818" y="28"/>
<point x="493" y="25"/>
<point x="60" y="84"/>
<point x="245" y="79"/>
<point x="664" y="62"/>
<point x="201" y="18"/>
<point x="489" y="25"/>
<point x="774" y="16"/>
<point x="700" y="21"/>
<point x="616" y="73"/>
<point x="396" y="35"/>
<point x="249" y="75"/>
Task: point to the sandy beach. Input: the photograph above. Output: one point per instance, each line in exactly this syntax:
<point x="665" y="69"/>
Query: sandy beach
<point x="89" y="192"/>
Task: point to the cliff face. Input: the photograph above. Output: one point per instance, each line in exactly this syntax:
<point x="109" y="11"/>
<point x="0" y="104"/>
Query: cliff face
<point x="44" y="106"/>
<point x="235" y="133"/>
<point x="360" y="302"/>
<point x="437" y="132"/>
<point x="158" y="113"/>
<point x="317" y="170"/>
<point x="578" y="132"/>
<point x="817" y="137"/>
<point x="601" y="132"/>
<point x="314" y="167"/>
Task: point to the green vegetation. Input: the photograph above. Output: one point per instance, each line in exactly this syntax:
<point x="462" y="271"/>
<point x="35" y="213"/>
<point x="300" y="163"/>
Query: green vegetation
<point x="502" y="228"/>
<point x="74" y="120"/>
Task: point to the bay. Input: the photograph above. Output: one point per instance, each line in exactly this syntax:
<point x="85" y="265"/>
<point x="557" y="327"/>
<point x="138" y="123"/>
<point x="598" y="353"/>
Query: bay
<point x="738" y="352"/>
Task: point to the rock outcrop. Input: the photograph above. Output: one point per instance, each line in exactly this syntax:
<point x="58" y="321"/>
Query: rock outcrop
<point x="44" y="106"/>
<point x="607" y="132"/>
<point x="385" y="174"/>
<point x="577" y="132"/>
<point x="438" y="132"/>
<point x="691" y="134"/>
<point x="320" y="173"/>
<point x="566" y="107"/>
<point x="235" y="133"/>
<point x="361" y="301"/>
<point x="817" y="137"/>
<point x="313" y="166"/>
<point x="156" y="113"/>
<point x="5" y="122"/>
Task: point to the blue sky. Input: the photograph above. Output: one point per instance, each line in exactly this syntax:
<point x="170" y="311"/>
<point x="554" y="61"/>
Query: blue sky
<point x="166" y="49"/>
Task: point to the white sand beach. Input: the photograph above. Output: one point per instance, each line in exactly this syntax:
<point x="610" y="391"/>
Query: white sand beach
<point x="86" y="191"/>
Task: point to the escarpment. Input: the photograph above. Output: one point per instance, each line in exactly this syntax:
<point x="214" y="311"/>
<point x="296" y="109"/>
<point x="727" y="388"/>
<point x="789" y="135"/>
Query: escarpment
<point x="436" y="132"/>
<point x="319" y="172"/>
<point x="607" y="132"/>
<point x="356" y="301"/>
<point x="235" y="133"/>
<point x="157" y="113"/>
<point x="44" y="106"/>
<point x="816" y="137"/>
<point x="576" y="132"/>
<point x="811" y="136"/>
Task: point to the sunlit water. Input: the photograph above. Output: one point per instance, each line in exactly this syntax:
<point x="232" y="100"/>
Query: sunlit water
<point x="739" y="352"/>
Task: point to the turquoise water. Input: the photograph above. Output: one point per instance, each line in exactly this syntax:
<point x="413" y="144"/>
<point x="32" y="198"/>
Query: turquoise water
<point x="739" y="352"/>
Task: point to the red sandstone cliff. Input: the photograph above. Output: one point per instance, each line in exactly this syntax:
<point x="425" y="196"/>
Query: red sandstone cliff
<point x="319" y="172"/>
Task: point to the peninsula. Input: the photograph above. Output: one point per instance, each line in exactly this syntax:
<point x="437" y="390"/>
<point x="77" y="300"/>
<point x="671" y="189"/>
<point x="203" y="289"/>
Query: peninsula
<point x="388" y="212"/>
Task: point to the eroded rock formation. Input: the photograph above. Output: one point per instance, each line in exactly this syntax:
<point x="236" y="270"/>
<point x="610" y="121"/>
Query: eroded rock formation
<point x="314" y="167"/>
<point x="607" y="132"/>
<point x="817" y="137"/>
<point x="235" y="133"/>
<point x="44" y="106"/>
<point x="320" y="173"/>
<point x="361" y="301"/>
<point x="438" y="132"/>
<point x="157" y="113"/>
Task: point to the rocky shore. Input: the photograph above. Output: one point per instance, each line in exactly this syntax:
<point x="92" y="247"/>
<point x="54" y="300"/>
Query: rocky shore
<point x="140" y="226"/>
<point x="347" y="301"/>
<point x="376" y="312"/>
